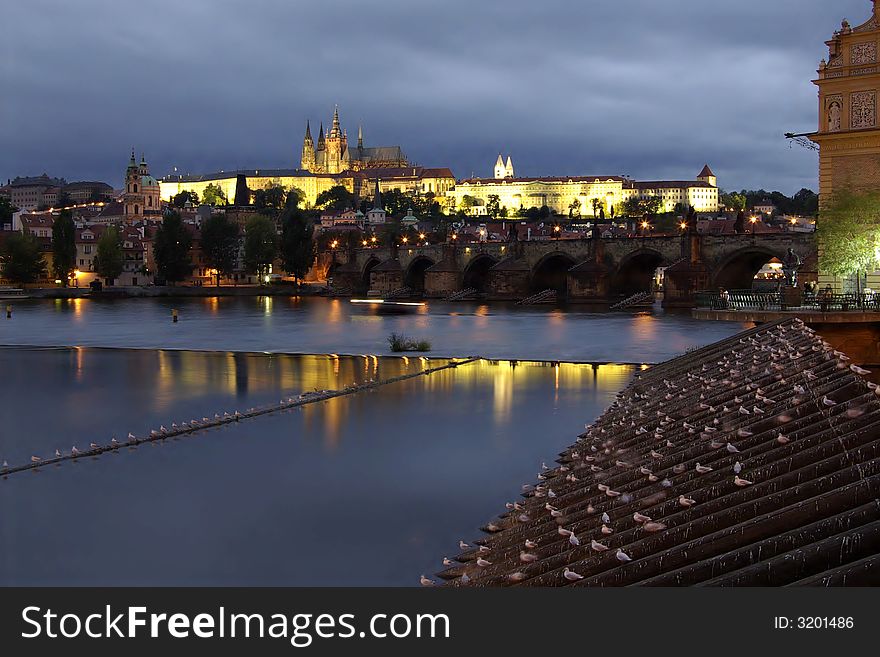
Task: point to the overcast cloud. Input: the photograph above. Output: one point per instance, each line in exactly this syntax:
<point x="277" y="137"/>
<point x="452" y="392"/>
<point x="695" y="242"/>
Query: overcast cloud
<point x="649" y="88"/>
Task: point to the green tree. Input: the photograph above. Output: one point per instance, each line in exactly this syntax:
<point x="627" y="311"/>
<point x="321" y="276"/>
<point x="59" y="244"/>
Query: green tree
<point x="6" y="211"/>
<point x="849" y="235"/>
<point x="597" y="205"/>
<point x="171" y="249"/>
<point x="297" y="244"/>
<point x="493" y="206"/>
<point x="109" y="259"/>
<point x="180" y="200"/>
<point x="63" y="200"/>
<point x="63" y="246"/>
<point x="220" y="244"/>
<point x="271" y="198"/>
<point x="260" y="245"/>
<point x="574" y="208"/>
<point x="213" y="195"/>
<point x="733" y="200"/>
<point x="337" y="199"/>
<point x="22" y="259"/>
<point x="295" y="198"/>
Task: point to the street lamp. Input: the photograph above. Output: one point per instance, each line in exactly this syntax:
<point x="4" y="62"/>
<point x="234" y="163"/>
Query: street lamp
<point x="404" y="239"/>
<point x="753" y="220"/>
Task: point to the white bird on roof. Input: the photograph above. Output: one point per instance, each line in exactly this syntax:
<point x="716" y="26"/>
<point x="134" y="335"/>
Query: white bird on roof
<point x="652" y="527"/>
<point x="573" y="540"/>
<point x="36" y="459"/>
<point x="131" y="436"/>
<point x="562" y="531"/>
<point x="622" y="556"/>
<point x="742" y="482"/>
<point x="732" y="448"/>
<point x="606" y="518"/>
<point x="462" y="545"/>
<point x="427" y="582"/>
<point x="744" y="411"/>
<point x="598" y="547"/>
<point x="570" y="575"/>
<point x="827" y="401"/>
<point x="639" y="518"/>
<point x="737" y="467"/>
<point x="483" y="563"/>
<point x="448" y="562"/>
<point x="686" y="501"/>
<point x="57" y="453"/>
<point x="702" y="469"/>
<point x="530" y="544"/>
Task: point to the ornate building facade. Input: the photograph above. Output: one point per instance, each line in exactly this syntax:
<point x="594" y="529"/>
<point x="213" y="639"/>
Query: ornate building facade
<point x="332" y="154"/>
<point x="848" y="134"/>
<point x="142" y="192"/>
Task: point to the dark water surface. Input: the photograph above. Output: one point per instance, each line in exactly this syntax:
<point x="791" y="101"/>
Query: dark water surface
<point x="317" y="325"/>
<point x="369" y="489"/>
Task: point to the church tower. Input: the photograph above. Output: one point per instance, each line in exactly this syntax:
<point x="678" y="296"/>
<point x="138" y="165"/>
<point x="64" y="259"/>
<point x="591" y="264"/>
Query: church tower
<point x="508" y="168"/>
<point x="708" y="177"/>
<point x="335" y="145"/>
<point x="499" y="168"/>
<point x="133" y="199"/>
<point x="307" y="160"/>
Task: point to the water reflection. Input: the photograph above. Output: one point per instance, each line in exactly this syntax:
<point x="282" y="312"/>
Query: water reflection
<point x="407" y="469"/>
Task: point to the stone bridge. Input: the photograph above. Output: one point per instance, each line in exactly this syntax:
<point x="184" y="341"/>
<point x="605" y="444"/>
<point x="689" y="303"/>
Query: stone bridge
<point x="586" y="270"/>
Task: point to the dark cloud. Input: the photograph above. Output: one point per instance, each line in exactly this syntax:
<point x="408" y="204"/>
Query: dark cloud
<point x="639" y="87"/>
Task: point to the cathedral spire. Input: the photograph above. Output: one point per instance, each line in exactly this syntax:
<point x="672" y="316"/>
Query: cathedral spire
<point x="377" y="202"/>
<point x="321" y="138"/>
<point x="360" y="136"/>
<point x="308" y="131"/>
<point x="335" y="131"/>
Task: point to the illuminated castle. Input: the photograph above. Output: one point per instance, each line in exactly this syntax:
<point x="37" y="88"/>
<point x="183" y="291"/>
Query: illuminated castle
<point x="332" y="153"/>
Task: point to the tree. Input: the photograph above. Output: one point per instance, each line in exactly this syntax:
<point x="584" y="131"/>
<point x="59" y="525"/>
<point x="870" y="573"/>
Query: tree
<point x="270" y="198"/>
<point x="597" y="205"/>
<point x="733" y="200"/>
<point x="574" y="208"/>
<point x="171" y="249"/>
<point x="220" y="244"/>
<point x="213" y="195"/>
<point x="295" y="197"/>
<point x="63" y="200"/>
<point x="6" y="211"/>
<point x="22" y="259"/>
<point x="336" y="199"/>
<point x="640" y="207"/>
<point x="297" y="244"/>
<point x="109" y="261"/>
<point x="493" y="206"/>
<point x="180" y="199"/>
<point x="63" y="246"/>
<point x="260" y="245"/>
<point x="849" y="235"/>
<point x="467" y="203"/>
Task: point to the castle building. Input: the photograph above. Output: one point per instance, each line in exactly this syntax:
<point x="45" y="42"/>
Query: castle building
<point x="587" y="196"/>
<point x="333" y="155"/>
<point x="142" y="195"/>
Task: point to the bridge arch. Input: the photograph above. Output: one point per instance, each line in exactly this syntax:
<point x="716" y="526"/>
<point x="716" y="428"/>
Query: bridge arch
<point x="476" y="273"/>
<point x="551" y="272"/>
<point x="414" y="276"/>
<point x="369" y="266"/>
<point x="636" y="271"/>
<point x="737" y="271"/>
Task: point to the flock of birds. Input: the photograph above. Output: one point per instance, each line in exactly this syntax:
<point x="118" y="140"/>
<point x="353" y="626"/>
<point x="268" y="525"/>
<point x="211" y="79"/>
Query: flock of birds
<point x="683" y="422"/>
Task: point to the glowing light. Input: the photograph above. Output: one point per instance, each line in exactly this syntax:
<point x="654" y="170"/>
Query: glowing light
<point x="645" y="225"/>
<point x="683" y="225"/>
<point x="404" y="239"/>
<point x="334" y="244"/>
<point x="421" y="236"/>
<point x="364" y="242"/>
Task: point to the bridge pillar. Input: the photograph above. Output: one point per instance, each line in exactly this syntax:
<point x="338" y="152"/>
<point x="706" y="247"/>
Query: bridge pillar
<point x="510" y="279"/>
<point x="588" y="282"/>
<point x="681" y="283"/>
<point x="386" y="277"/>
<point x="346" y="278"/>
<point x="442" y="279"/>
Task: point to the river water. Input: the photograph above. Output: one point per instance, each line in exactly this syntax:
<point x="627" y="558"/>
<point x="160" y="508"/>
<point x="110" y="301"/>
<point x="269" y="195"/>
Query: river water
<point x="369" y="489"/>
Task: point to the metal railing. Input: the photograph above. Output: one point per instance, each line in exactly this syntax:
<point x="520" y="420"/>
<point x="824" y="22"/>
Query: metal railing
<point x="820" y="301"/>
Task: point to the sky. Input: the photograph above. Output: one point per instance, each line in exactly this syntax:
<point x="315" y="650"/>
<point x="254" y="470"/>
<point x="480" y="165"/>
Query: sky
<point x="647" y="88"/>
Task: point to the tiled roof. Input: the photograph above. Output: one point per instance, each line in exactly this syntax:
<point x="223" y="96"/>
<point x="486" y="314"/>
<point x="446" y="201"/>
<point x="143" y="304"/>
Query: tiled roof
<point x="753" y="461"/>
<point x="541" y="179"/>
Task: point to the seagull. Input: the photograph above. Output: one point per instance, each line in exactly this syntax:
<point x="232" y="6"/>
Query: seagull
<point x="131" y="436"/>
<point x="641" y="519"/>
<point x="702" y="469"/>
<point x="516" y="577"/>
<point x="742" y="482"/>
<point x="562" y="531"/>
<point x="447" y="562"/>
<point x="57" y="453"/>
<point x="732" y="449"/>
<point x="482" y="563"/>
<point x="570" y="575"/>
<point x="530" y="544"/>
<point x="606" y="518"/>
<point x="686" y="501"/>
<point x="598" y="547"/>
<point x="74" y="451"/>
<point x="606" y="530"/>
<point x="113" y="441"/>
<point x="859" y="370"/>
<point x="622" y="556"/>
<point x="612" y="493"/>
<point x="528" y="557"/>
<point x="93" y="445"/>
<point x="738" y="467"/>
<point x="573" y="540"/>
<point x="744" y="411"/>
<point x="462" y="545"/>
<point x="427" y="582"/>
<point x="827" y="401"/>
<point x="652" y="527"/>
<point x="782" y="440"/>
<point x="36" y="459"/>
<point x="5" y="465"/>
<point x="483" y="549"/>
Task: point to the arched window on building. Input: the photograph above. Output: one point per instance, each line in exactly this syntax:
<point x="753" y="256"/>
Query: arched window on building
<point x="136" y="209"/>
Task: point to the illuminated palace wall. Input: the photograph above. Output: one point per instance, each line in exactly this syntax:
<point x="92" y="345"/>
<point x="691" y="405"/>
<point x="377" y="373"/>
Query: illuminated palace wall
<point x="558" y="194"/>
<point x="310" y="184"/>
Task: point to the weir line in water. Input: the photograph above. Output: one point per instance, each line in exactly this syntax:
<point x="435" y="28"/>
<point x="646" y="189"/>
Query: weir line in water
<point x="188" y="428"/>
